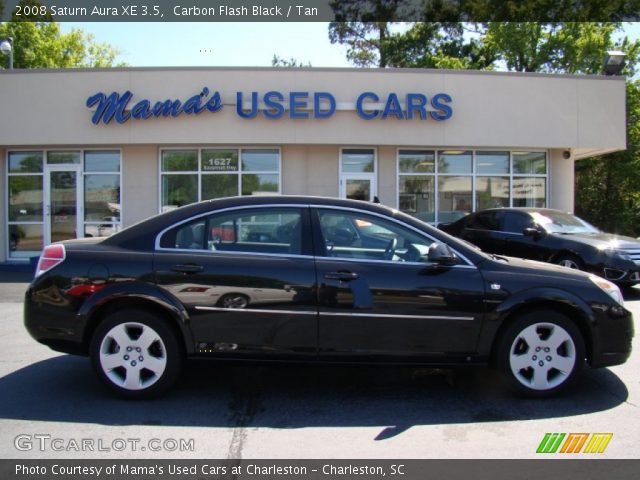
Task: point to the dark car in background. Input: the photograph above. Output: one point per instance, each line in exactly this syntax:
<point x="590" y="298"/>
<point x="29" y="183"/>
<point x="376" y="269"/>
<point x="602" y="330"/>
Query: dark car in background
<point x="306" y="279"/>
<point x="551" y="236"/>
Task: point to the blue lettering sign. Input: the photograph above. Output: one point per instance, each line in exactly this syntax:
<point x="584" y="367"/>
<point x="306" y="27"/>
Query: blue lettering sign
<point x="393" y="107"/>
<point x="442" y="110"/>
<point x="254" y="106"/>
<point x="298" y="100"/>
<point x="275" y="105"/>
<point x="416" y="101"/>
<point x="367" y="115"/>
<point x="317" y="106"/>
<point x="273" y="102"/>
<point x="115" y="106"/>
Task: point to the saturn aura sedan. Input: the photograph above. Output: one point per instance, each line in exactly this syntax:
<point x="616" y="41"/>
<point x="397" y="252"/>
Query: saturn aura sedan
<point x="305" y="279"/>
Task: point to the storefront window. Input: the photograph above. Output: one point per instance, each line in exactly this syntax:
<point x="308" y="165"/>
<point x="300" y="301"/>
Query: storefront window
<point x="442" y="186"/>
<point x="529" y="163"/>
<point x="454" y="161"/>
<point x="416" y="161"/>
<point x="46" y="190"/>
<point x="179" y="190"/>
<point x="529" y="192"/>
<point x="25" y="198"/>
<point x="492" y="163"/>
<point x="102" y="193"/>
<point x="492" y="192"/>
<point x="188" y="176"/>
<point x="358" y="160"/>
<point x="58" y="158"/>
<point x="102" y="197"/>
<point x="260" y="160"/>
<point x="179" y="160"/>
<point x="417" y="196"/>
<point x="454" y="197"/>
<point x="102" y="161"/>
<point x="25" y="162"/>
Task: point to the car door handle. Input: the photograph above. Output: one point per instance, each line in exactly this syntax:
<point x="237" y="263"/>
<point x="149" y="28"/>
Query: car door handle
<point x="187" y="268"/>
<point x="344" y="276"/>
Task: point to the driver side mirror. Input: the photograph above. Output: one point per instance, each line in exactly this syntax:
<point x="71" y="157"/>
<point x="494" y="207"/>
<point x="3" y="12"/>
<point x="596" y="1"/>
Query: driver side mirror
<point x="441" y="255"/>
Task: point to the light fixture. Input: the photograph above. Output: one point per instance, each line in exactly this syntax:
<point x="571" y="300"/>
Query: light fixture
<point x="614" y="62"/>
<point x="6" y="47"/>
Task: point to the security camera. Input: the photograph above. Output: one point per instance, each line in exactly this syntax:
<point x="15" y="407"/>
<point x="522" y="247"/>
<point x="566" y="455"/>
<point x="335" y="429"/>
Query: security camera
<point x="566" y="154"/>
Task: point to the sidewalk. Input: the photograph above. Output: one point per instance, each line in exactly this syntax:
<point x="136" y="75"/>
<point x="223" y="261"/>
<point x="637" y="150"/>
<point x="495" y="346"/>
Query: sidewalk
<point x="13" y="284"/>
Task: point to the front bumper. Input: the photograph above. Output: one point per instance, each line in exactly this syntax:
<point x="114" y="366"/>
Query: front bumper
<point x="613" y="335"/>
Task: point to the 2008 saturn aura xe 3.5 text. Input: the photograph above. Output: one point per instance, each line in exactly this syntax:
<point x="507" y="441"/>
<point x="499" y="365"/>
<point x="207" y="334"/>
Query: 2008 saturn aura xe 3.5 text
<point x="305" y="279"/>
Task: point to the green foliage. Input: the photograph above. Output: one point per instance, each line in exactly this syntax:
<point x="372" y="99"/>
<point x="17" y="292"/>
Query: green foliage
<point x="39" y="43"/>
<point x="608" y="187"/>
<point x="577" y="47"/>
<point x="437" y="45"/>
<point x="277" y="61"/>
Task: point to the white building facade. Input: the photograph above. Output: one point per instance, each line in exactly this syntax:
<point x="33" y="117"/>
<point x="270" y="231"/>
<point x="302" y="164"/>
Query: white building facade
<point x="88" y="152"/>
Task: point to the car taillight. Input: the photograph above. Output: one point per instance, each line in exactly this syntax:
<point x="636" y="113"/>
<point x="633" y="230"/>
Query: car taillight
<point x="52" y="255"/>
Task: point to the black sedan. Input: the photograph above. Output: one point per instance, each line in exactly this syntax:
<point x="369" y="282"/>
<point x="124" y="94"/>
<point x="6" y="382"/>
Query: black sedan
<point x="303" y="279"/>
<point x="551" y="236"/>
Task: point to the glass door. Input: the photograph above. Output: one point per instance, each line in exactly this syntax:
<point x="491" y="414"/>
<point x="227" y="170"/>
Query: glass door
<point x="62" y="203"/>
<point x="358" y="187"/>
<point x="358" y="174"/>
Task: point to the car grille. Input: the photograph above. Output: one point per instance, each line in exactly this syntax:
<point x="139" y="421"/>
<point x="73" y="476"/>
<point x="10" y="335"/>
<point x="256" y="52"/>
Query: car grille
<point x="634" y="253"/>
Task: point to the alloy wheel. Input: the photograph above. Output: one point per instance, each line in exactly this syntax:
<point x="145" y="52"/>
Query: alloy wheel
<point x="542" y="356"/>
<point x="133" y="356"/>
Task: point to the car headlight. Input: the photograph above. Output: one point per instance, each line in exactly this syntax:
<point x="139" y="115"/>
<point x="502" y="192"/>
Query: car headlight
<point x="609" y="288"/>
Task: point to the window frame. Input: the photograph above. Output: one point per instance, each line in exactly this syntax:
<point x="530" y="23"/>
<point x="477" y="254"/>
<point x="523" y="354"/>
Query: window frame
<point x="474" y="175"/>
<point x="200" y="173"/>
<point x="305" y="232"/>
<point x="42" y="174"/>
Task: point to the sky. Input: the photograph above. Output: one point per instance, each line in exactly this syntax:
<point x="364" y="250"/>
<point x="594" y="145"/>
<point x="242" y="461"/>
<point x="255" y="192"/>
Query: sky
<point x="154" y="44"/>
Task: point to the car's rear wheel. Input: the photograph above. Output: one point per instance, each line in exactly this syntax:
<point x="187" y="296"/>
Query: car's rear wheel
<point x="570" y="261"/>
<point x="541" y="352"/>
<point x="136" y="354"/>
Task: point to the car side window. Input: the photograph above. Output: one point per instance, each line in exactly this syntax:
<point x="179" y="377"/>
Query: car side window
<point x="264" y="230"/>
<point x="367" y="237"/>
<point x="516" y="222"/>
<point x="484" y="221"/>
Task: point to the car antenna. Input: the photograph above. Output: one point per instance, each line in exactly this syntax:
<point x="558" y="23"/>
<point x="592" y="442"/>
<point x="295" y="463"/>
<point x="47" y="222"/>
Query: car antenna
<point x="376" y="199"/>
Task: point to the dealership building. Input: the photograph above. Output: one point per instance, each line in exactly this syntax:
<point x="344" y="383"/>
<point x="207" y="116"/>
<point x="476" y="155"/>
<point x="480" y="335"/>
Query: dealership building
<point x="89" y="152"/>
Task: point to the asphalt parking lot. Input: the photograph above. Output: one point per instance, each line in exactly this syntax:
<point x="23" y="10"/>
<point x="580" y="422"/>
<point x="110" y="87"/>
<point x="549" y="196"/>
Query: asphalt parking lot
<point x="50" y="403"/>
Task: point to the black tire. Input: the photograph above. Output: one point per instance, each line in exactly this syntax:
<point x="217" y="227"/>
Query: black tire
<point x="546" y="369"/>
<point x="122" y="368"/>
<point x="234" y="300"/>
<point x="570" y="261"/>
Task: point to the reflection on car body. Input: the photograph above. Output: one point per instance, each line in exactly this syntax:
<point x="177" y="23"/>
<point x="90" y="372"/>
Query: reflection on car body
<point x="309" y="279"/>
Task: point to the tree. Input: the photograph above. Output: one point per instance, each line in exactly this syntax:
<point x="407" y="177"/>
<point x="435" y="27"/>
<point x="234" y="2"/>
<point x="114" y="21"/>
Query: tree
<point x="576" y="47"/>
<point x="277" y="61"/>
<point x="608" y="187"/>
<point x="438" y="45"/>
<point x="39" y="43"/>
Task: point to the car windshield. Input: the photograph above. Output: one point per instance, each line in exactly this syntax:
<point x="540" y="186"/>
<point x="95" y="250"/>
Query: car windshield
<point x="560" y="222"/>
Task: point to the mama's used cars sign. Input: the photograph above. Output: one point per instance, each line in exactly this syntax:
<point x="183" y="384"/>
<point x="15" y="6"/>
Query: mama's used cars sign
<point x="273" y="104"/>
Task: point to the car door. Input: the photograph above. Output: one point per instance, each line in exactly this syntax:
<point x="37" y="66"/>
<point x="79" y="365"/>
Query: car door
<point x="378" y="298"/>
<point x="483" y="230"/>
<point x="246" y="277"/>
<point x="517" y="244"/>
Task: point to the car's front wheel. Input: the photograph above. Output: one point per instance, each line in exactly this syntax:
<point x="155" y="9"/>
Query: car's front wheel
<point x="136" y="354"/>
<point x="541" y="352"/>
